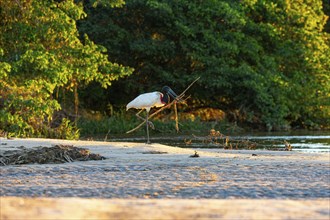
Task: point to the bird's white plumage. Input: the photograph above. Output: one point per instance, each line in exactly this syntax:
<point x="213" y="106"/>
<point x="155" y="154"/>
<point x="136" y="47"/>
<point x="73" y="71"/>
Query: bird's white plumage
<point x="146" y="101"/>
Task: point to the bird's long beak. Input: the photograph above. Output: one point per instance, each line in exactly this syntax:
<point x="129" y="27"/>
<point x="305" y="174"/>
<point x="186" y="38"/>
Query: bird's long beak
<point x="172" y="93"/>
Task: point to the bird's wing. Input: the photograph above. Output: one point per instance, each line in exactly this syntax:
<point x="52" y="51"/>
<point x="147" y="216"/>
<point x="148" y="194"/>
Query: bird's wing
<point x="146" y="101"/>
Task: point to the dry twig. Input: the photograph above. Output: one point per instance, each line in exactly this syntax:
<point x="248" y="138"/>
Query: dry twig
<point x="42" y="155"/>
<point x="177" y="99"/>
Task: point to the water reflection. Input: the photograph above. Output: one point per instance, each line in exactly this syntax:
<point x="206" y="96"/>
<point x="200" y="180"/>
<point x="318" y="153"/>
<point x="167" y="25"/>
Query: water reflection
<point x="304" y="142"/>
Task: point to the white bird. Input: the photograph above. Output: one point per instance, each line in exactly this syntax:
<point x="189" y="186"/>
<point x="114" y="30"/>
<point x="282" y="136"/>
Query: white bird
<point x="149" y="100"/>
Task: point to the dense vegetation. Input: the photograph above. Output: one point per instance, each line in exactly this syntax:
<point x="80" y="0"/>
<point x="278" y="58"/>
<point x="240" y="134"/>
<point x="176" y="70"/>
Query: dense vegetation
<point x="42" y="58"/>
<point x="264" y="63"/>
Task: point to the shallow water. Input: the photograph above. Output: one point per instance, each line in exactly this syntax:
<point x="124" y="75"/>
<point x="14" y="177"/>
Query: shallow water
<point x="303" y="141"/>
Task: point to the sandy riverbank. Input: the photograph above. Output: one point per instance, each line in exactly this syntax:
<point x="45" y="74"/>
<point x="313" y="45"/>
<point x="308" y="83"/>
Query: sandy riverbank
<point x="139" y="177"/>
<point x="77" y="208"/>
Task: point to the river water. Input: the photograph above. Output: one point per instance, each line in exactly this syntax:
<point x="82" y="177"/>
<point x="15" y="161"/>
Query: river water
<point x="303" y="141"/>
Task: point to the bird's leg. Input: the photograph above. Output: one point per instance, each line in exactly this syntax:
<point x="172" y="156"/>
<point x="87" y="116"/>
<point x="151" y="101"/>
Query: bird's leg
<point x="138" y="115"/>
<point x="151" y="124"/>
<point x="147" y="121"/>
<point x="148" y="141"/>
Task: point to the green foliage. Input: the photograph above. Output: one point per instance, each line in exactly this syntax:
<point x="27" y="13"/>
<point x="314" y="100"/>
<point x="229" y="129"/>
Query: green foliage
<point x="263" y="62"/>
<point x="41" y="51"/>
<point x="302" y="53"/>
<point x="107" y="3"/>
<point x="66" y="130"/>
<point x="25" y="108"/>
<point x="120" y="123"/>
<point x="116" y="124"/>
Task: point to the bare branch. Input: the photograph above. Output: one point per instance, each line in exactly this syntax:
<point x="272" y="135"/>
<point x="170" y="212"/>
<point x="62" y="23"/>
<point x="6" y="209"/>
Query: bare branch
<point x="176" y="100"/>
<point x="176" y="118"/>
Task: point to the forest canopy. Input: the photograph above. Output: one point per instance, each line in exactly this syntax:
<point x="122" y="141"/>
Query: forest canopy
<point x="265" y="63"/>
<point x="42" y="53"/>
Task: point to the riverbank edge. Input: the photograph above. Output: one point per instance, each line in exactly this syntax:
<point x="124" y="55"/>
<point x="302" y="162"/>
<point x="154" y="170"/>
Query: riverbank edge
<point x="95" y="208"/>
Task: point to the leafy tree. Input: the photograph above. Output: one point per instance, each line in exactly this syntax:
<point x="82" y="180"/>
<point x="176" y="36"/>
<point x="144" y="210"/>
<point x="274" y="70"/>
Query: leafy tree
<point x="303" y="55"/>
<point x="326" y="9"/>
<point x="263" y="62"/>
<point x="40" y="51"/>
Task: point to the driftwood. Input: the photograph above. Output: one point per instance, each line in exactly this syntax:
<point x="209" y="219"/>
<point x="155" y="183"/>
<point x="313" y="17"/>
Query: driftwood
<point x="43" y="155"/>
<point x="174" y="102"/>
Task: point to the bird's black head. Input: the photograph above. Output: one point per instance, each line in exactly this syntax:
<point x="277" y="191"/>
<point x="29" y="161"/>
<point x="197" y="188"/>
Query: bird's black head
<point x="167" y="91"/>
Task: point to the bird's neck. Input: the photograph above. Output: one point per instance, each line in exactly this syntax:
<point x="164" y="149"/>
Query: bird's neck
<point x="164" y="98"/>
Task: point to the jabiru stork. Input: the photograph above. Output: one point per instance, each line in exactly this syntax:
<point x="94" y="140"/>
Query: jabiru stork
<point x="149" y="100"/>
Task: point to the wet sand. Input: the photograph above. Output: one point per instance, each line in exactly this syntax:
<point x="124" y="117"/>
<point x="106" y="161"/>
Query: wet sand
<point x="141" y="177"/>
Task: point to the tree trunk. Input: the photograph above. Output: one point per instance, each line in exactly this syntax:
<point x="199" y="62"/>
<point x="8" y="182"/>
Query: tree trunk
<point x="76" y="101"/>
